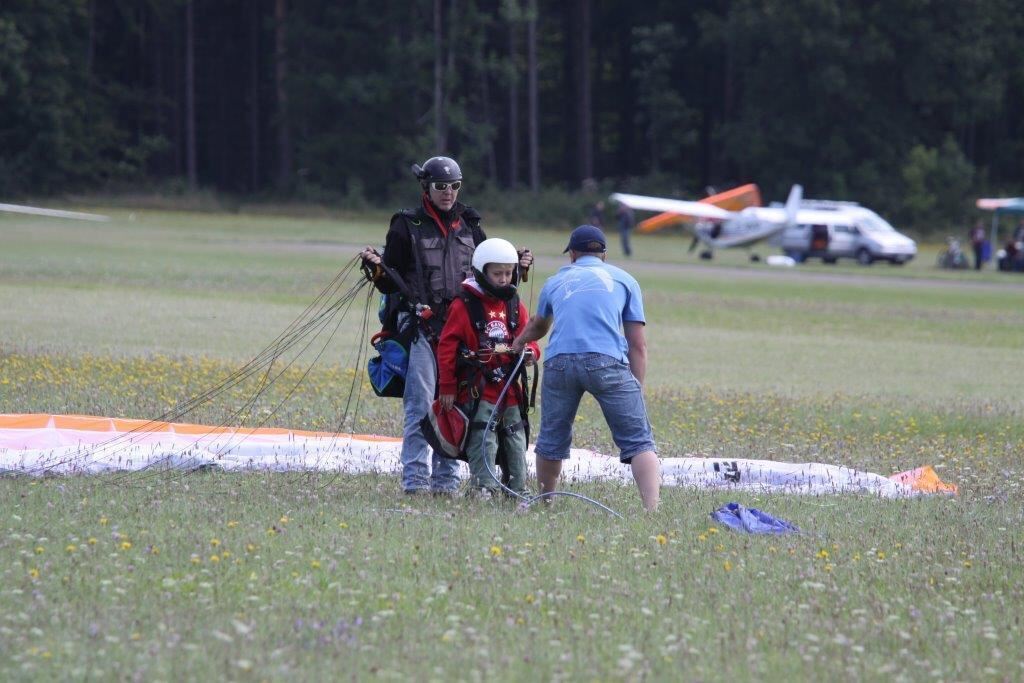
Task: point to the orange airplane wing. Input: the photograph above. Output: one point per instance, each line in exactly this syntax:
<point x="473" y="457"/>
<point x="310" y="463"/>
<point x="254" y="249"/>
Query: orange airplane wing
<point x="735" y="199"/>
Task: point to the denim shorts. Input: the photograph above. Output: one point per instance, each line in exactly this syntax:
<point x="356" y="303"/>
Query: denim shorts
<point x="610" y="381"/>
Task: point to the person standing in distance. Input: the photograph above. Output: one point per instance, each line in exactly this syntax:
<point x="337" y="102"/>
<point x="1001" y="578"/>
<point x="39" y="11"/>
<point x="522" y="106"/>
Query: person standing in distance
<point x="598" y="346"/>
<point x="431" y="248"/>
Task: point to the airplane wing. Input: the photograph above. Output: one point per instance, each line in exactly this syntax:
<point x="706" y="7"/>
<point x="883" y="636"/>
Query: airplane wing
<point x="679" y="206"/>
<point x="735" y="199"/>
<point x="55" y="213"/>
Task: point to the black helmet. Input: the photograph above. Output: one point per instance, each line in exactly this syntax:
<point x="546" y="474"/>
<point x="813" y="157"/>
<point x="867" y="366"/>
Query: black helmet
<point x="443" y="169"/>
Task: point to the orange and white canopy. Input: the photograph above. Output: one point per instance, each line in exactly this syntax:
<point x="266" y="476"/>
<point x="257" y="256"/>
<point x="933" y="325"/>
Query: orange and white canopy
<point x="36" y="444"/>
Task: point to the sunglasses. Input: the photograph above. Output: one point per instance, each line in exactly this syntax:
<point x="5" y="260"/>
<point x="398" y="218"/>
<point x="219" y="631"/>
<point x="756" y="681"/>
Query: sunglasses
<point x="441" y="187"/>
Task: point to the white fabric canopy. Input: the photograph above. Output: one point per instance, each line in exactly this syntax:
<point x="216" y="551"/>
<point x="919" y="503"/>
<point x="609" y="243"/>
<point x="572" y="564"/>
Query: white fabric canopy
<point x="37" y="445"/>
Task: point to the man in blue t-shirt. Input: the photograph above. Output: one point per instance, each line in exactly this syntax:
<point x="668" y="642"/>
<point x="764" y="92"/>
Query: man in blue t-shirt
<point x="598" y="346"/>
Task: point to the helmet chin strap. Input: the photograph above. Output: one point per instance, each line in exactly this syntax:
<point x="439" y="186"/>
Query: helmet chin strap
<point x="504" y="293"/>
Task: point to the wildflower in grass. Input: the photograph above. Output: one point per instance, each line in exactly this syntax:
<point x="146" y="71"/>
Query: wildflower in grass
<point x="214" y="542"/>
<point x="283" y="520"/>
<point x="822" y="554"/>
<point x="250" y="547"/>
<point x="92" y="540"/>
<point x="315" y="564"/>
<point x="829" y="566"/>
<point x="40" y="550"/>
<point x="33" y="573"/>
<point x="103" y="521"/>
<point x="342" y="525"/>
<point x="495" y="551"/>
<point x="126" y="545"/>
<point x="712" y="530"/>
<point x="232" y="524"/>
<point x="702" y="537"/>
<point x="727" y="566"/>
<point x="214" y="559"/>
<point x="529" y="599"/>
<point x="661" y="539"/>
<point x="195" y="559"/>
<point x="225" y="554"/>
<point x="581" y="538"/>
<point x="880" y="555"/>
<point x="71" y="548"/>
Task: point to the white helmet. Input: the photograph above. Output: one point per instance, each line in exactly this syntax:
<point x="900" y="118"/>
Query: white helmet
<point x="494" y="250"/>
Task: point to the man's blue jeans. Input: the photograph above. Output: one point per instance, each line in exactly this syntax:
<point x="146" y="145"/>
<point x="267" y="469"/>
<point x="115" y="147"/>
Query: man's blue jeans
<point x="417" y="456"/>
<point x="566" y="377"/>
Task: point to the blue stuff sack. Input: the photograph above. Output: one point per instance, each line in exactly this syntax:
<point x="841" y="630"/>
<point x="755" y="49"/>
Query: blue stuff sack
<point x="736" y="517"/>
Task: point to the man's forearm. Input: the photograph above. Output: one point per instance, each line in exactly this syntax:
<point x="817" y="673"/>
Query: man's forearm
<point x="532" y="331"/>
<point x="638" y="362"/>
<point x="636" y="342"/>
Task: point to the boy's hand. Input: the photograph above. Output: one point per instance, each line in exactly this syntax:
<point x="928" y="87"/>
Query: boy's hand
<point x="528" y="360"/>
<point x="447" y="401"/>
<point x="518" y="346"/>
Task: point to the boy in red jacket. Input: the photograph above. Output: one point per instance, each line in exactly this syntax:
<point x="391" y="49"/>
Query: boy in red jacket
<point x="474" y="364"/>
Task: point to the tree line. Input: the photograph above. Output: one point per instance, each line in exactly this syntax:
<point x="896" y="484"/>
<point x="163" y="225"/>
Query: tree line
<point x="911" y="106"/>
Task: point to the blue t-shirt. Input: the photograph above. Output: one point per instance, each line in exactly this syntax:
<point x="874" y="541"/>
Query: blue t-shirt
<point x="589" y="300"/>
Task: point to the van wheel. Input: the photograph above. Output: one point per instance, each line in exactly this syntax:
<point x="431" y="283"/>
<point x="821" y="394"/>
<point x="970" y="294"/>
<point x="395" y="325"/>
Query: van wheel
<point x="864" y="257"/>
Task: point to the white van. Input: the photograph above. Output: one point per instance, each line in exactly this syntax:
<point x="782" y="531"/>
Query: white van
<point x="851" y="231"/>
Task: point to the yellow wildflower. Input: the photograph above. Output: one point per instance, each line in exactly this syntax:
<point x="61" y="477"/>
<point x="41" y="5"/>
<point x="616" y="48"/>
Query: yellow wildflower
<point x="661" y="539"/>
<point x="495" y="551"/>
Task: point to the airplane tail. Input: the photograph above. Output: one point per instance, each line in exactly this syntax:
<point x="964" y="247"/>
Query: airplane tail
<point x="796" y="195"/>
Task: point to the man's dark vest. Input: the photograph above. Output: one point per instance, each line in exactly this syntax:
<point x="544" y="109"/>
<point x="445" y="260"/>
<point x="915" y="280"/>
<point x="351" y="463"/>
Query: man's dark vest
<point x="442" y="261"/>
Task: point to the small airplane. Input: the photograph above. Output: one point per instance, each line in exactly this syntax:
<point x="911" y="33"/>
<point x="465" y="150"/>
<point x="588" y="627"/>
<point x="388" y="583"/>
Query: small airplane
<point x="723" y="228"/>
<point x="52" y="213"/>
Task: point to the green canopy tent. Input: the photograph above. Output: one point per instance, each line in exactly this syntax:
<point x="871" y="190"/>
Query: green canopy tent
<point x="999" y="207"/>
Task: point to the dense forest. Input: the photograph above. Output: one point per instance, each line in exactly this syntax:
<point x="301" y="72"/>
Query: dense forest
<point x="912" y="106"/>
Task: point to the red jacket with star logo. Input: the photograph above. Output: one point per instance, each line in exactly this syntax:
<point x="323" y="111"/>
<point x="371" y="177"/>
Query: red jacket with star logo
<point x="459" y="333"/>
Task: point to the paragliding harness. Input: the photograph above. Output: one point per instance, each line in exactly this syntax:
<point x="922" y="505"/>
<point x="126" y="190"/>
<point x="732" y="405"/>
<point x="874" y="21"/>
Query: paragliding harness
<point x="475" y="372"/>
<point x="388" y="369"/>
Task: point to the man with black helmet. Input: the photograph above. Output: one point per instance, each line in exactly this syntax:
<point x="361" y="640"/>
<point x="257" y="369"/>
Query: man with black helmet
<point x="431" y="249"/>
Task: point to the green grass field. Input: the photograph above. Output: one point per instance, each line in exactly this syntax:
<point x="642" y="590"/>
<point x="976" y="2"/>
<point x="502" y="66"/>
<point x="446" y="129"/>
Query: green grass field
<point x="312" y="577"/>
